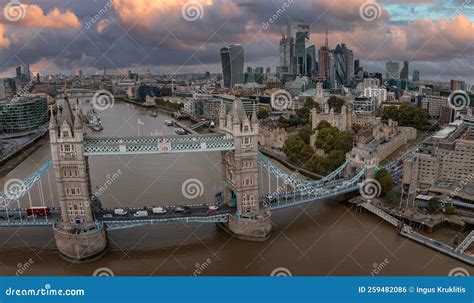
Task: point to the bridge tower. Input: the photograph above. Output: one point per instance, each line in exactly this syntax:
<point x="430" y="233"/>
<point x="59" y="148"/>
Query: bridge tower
<point x="240" y="174"/>
<point x="78" y="237"/>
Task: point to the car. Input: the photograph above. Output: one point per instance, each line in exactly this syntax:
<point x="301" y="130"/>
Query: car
<point x="120" y="212"/>
<point x="107" y="216"/>
<point x="141" y="213"/>
<point x="182" y="209"/>
<point x="178" y="209"/>
<point x="159" y="210"/>
<point x="213" y="207"/>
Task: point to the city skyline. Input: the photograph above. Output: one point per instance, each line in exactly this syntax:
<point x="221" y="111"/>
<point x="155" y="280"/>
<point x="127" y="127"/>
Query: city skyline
<point x="54" y="39"/>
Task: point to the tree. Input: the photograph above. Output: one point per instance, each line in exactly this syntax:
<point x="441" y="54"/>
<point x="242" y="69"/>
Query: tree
<point x="407" y="115"/>
<point x="305" y="133"/>
<point x="333" y="160"/>
<point x="326" y="139"/>
<point x="296" y="150"/>
<point x="323" y="124"/>
<point x="343" y="141"/>
<point x="336" y="103"/>
<point x="385" y="180"/>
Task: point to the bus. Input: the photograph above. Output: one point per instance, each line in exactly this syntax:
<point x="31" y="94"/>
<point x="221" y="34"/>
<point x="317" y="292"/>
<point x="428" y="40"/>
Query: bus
<point x="40" y="211"/>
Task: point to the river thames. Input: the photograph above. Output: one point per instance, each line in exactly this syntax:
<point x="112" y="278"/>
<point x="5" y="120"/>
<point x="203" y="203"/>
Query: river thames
<point x="324" y="238"/>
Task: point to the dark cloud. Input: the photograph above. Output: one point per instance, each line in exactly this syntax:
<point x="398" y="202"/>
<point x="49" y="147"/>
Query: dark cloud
<point x="139" y="33"/>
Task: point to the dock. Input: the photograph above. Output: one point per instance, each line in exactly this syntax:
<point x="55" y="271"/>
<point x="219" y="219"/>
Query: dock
<point x="407" y="232"/>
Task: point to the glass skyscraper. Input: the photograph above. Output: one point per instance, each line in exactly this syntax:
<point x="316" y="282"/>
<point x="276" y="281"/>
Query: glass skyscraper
<point x="232" y="58"/>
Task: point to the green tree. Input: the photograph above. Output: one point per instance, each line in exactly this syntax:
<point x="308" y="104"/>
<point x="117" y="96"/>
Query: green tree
<point x="336" y="103"/>
<point x="323" y="124"/>
<point x="297" y="151"/>
<point x="407" y="115"/>
<point x="326" y="139"/>
<point x="305" y="133"/>
<point x="385" y="180"/>
<point x="333" y="160"/>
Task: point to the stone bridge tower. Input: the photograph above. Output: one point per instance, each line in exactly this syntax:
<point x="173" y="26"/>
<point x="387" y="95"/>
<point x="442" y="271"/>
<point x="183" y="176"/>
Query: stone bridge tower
<point x="240" y="174"/>
<point x="78" y="237"/>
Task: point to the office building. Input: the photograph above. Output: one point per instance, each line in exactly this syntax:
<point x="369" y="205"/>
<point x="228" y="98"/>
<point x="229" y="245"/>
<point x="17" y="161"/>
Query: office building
<point x="310" y="60"/>
<point x="392" y="69"/>
<point x="416" y="75"/>
<point x="379" y="94"/>
<point x="344" y="68"/>
<point x="232" y="59"/>
<point x="23" y="114"/>
<point x="405" y="71"/>
<point x="433" y="105"/>
<point x="18" y="72"/>
<point x="458" y="85"/>
<point x="443" y="163"/>
<point x="285" y="55"/>
<point x="324" y="59"/>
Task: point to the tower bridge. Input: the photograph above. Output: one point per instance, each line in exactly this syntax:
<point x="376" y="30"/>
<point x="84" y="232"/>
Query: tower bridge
<point x="80" y="224"/>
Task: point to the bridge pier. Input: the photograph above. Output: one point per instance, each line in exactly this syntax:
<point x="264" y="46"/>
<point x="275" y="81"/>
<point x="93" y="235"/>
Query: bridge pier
<point x="249" y="229"/>
<point x="81" y="246"/>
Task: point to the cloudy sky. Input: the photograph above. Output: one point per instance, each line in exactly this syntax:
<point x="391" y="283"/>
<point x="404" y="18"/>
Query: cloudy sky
<point x="181" y="36"/>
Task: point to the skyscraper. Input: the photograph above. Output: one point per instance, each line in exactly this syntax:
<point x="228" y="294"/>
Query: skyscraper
<point x="392" y="69"/>
<point x="310" y="60"/>
<point x="232" y="59"/>
<point x="26" y="72"/>
<point x="324" y="59"/>
<point x="298" y="33"/>
<point x="18" y="72"/>
<point x="405" y="71"/>
<point x="344" y="60"/>
<point x="285" y="54"/>
<point x="416" y="75"/>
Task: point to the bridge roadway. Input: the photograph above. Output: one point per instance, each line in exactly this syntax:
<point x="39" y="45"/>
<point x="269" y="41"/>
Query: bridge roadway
<point x="16" y="217"/>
